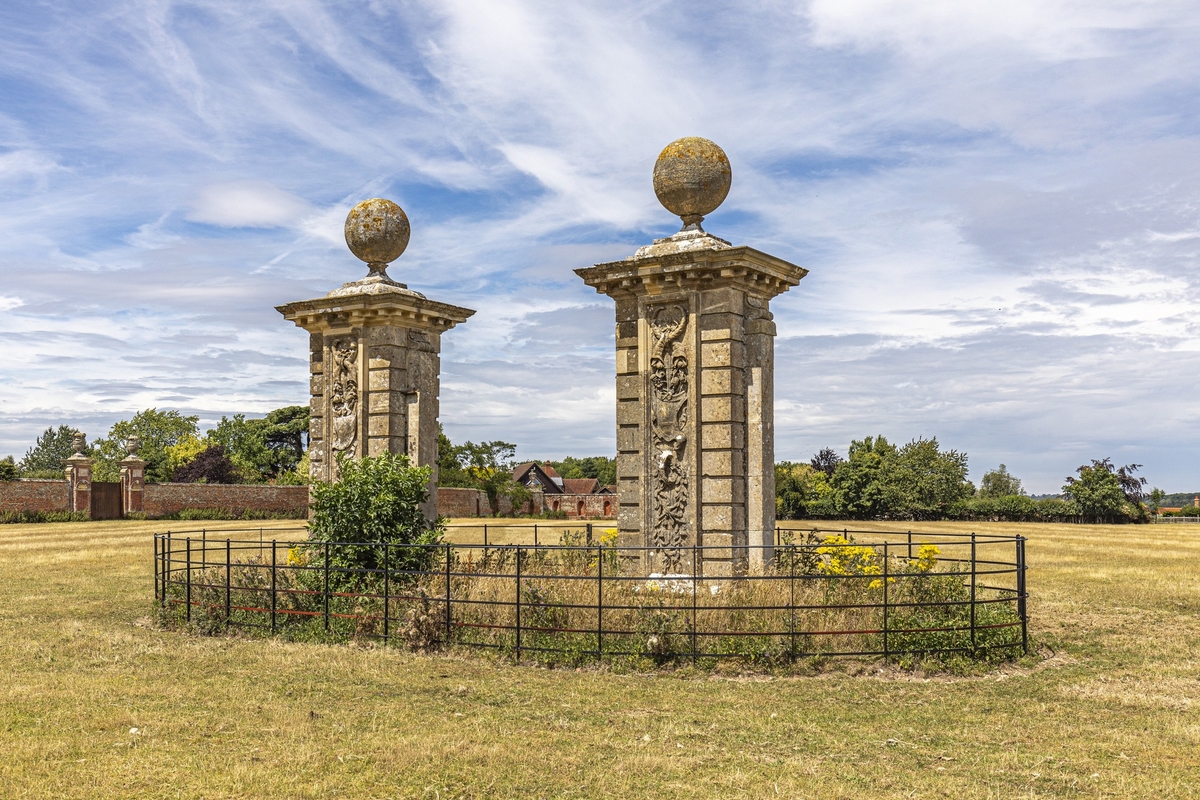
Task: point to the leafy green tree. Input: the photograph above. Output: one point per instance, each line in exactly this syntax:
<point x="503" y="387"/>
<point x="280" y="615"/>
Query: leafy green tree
<point x="857" y="489"/>
<point x="1000" y="483"/>
<point x="48" y="456"/>
<point x="1097" y="491"/>
<point x="210" y="466"/>
<point x="486" y="466"/>
<point x="489" y="467"/>
<point x="244" y="445"/>
<point x="156" y="431"/>
<point x="8" y="469"/>
<point x="285" y="433"/>
<point x="1156" y="499"/>
<point x="916" y="481"/>
<point x="801" y="490"/>
<point x="826" y="461"/>
<point x="602" y="468"/>
<point x="376" y="501"/>
<point x="450" y="468"/>
<point x="919" y="481"/>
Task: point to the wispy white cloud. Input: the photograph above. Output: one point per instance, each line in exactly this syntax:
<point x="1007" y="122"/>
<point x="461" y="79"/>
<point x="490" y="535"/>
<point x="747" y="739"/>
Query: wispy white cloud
<point x="248" y="204"/>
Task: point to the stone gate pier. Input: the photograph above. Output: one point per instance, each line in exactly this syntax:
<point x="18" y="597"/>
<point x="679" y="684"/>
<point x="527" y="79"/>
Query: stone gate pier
<point x="374" y="349"/>
<point x="695" y="367"/>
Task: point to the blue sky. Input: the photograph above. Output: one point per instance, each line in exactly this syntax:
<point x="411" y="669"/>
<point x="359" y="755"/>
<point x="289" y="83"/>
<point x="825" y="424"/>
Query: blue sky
<point x="997" y="204"/>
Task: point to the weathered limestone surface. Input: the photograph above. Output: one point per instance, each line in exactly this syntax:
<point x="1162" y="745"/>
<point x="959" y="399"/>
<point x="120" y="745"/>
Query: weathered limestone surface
<point x="374" y="364"/>
<point x="695" y="415"/>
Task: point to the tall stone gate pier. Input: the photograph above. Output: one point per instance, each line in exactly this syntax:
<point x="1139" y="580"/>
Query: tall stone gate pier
<point x="695" y="367"/>
<point x="373" y="355"/>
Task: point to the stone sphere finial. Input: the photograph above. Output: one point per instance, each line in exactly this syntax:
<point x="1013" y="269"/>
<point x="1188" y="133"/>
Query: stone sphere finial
<point x="691" y="178"/>
<point x="377" y="232"/>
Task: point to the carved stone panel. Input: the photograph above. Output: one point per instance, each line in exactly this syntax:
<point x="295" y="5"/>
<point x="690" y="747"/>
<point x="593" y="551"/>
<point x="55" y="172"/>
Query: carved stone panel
<point x="670" y="467"/>
<point x="343" y="394"/>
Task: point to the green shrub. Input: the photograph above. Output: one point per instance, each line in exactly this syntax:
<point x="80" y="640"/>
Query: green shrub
<point x="20" y="517"/>
<point x="376" y="501"/>
<point x="8" y="469"/>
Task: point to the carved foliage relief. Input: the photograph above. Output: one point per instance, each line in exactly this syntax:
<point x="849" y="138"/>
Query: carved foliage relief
<point x="343" y="395"/>
<point x="669" y="468"/>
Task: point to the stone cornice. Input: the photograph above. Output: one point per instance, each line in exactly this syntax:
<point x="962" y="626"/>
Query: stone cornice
<point x="741" y="267"/>
<point x="403" y="309"/>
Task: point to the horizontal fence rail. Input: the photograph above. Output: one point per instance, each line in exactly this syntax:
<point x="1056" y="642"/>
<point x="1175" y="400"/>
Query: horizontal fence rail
<point x="579" y="598"/>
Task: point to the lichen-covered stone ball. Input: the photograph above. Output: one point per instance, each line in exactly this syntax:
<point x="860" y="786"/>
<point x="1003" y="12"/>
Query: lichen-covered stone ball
<point x="377" y="231"/>
<point x="692" y="177"/>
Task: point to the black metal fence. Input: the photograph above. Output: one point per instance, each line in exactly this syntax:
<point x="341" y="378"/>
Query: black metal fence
<point x="833" y="593"/>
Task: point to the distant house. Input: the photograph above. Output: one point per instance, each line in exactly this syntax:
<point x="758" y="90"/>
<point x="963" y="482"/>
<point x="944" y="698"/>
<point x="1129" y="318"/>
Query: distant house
<point x="578" y="497"/>
<point x="535" y="476"/>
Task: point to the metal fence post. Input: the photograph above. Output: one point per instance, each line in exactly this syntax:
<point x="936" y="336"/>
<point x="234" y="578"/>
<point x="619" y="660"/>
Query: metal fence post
<point x="273" y="598"/>
<point x="589" y="534"/>
<point x="325" y="591"/>
<point x="535" y="536"/>
<point x="449" y="619"/>
<point x="169" y="544"/>
<point x="886" y="651"/>
<point x="910" y="545"/>
<point x="599" y="604"/>
<point x="189" y="579"/>
<point x="1022" y="611"/>
<point x="972" y="592"/>
<point x="485" y="541"/>
<point x="695" y="625"/>
<point x="203" y="550"/>
<point x="156" y="567"/>
<point x="518" y="605"/>
<point x="387" y="549"/>
<point x="792" y="605"/>
<point x="228" y="604"/>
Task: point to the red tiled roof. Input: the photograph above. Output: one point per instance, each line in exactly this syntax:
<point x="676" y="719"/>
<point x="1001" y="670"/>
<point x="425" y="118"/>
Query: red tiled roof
<point x="549" y="470"/>
<point x="581" y="485"/>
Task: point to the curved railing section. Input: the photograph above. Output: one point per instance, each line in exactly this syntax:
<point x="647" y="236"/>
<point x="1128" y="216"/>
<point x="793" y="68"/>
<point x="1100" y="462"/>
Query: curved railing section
<point x="824" y="593"/>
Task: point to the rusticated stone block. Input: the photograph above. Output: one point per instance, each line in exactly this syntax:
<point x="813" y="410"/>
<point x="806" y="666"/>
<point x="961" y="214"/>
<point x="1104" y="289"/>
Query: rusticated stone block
<point x="722" y="408"/>
<point x="718" y="463"/>
<point x="629" y="412"/>
<point x="629" y="465"/>
<point x="714" y="436"/>
<point x="629" y="518"/>
<point x="722" y="381"/>
<point x="629" y="439"/>
<point x="717" y="327"/>
<point x="627" y="361"/>
<point x="722" y="354"/>
<point x="629" y="387"/>
<point x="722" y="490"/>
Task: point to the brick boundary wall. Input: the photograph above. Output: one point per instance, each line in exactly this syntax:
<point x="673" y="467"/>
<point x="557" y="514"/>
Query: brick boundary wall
<point x="169" y="498"/>
<point x="33" y="495"/>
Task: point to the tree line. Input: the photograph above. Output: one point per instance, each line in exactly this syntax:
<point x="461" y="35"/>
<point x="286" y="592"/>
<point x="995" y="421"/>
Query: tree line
<point x="236" y="450"/>
<point x="920" y="481"/>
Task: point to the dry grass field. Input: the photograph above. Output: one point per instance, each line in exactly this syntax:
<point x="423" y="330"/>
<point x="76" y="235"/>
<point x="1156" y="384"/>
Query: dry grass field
<point x="96" y="703"/>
